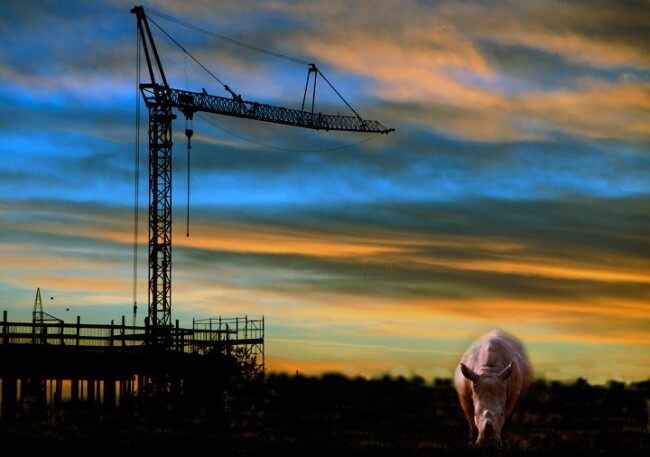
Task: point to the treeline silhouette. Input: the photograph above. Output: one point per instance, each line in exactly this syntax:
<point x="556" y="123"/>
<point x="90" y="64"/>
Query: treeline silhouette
<point x="333" y="414"/>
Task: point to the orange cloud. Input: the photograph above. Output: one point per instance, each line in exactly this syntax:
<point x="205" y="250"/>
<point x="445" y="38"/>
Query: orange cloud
<point x="433" y="58"/>
<point x="243" y="238"/>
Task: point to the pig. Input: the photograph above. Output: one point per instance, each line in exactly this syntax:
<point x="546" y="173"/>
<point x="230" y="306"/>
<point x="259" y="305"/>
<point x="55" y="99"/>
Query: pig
<point x="491" y="379"/>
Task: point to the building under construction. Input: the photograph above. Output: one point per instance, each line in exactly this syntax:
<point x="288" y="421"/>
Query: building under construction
<point x="49" y="360"/>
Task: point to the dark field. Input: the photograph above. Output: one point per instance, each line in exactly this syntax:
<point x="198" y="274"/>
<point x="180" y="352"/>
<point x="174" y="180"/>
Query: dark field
<point x="334" y="415"/>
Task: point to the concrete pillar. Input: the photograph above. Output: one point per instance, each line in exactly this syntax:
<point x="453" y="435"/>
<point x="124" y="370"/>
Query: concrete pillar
<point x="91" y="390"/>
<point x="9" y="408"/>
<point x="109" y="393"/>
<point x="74" y="391"/>
<point x="58" y="392"/>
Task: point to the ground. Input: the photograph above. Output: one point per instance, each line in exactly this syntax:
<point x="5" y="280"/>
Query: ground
<point x="329" y="415"/>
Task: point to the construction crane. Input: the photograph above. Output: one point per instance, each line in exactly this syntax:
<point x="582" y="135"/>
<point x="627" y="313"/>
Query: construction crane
<point x="161" y="100"/>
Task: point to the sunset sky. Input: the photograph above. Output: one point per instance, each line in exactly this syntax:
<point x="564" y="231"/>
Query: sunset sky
<point x="514" y="192"/>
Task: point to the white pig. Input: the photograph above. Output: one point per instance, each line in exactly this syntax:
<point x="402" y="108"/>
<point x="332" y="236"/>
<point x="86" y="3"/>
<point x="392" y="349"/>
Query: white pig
<point x="491" y="379"/>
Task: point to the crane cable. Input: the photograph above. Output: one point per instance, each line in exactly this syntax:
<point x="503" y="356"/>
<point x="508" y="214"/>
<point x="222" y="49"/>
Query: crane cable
<point x="225" y="38"/>
<point x="136" y="175"/>
<point x="188" y="53"/>
<point x="312" y="66"/>
<point x="188" y="133"/>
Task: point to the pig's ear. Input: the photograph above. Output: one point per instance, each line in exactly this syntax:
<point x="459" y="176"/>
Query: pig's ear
<point x="506" y="372"/>
<point x="468" y="373"/>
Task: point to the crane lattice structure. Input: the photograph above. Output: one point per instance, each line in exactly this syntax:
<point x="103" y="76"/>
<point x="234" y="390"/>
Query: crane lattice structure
<point x="161" y="100"/>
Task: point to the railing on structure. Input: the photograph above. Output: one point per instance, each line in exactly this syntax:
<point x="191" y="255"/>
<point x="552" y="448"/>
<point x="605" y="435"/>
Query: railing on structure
<point x="242" y="337"/>
<point x="220" y="333"/>
<point x="226" y="329"/>
<point x="77" y="334"/>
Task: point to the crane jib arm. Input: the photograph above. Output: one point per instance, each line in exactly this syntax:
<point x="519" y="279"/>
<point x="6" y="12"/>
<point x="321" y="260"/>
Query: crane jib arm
<point x="190" y="102"/>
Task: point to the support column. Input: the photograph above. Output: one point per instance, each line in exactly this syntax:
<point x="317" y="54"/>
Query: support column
<point x="74" y="391"/>
<point x="58" y="392"/>
<point x="9" y="408"/>
<point x="91" y="391"/>
<point x="109" y="393"/>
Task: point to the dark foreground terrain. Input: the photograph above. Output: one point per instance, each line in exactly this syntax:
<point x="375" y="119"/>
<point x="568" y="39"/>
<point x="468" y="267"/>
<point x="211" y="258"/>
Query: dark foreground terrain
<point x="337" y="416"/>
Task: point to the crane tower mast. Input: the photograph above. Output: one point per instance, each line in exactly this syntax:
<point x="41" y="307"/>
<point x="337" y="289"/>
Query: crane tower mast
<point x="160" y="100"/>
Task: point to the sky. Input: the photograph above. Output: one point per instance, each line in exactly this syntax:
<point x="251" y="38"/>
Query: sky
<point x="512" y="194"/>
